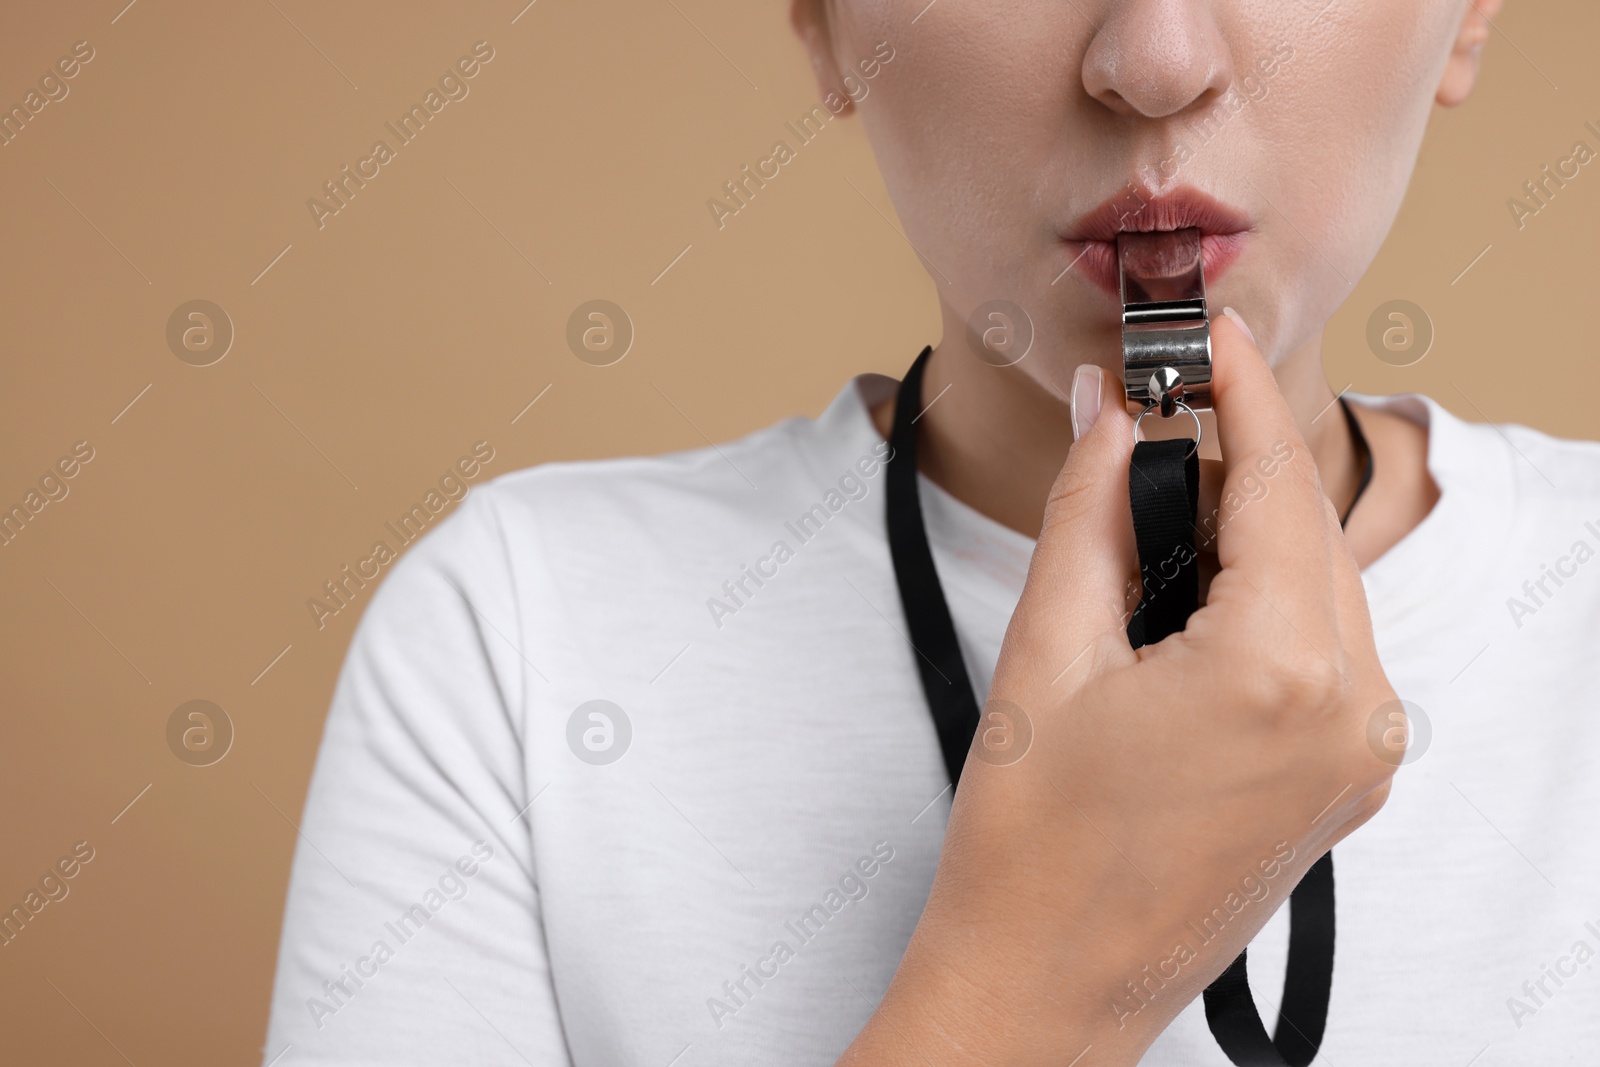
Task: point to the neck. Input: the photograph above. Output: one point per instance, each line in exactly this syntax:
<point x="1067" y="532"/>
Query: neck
<point x="995" y="438"/>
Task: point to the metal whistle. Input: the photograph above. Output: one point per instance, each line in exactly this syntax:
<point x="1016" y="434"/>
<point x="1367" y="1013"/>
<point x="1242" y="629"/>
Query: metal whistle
<point x="1166" y="336"/>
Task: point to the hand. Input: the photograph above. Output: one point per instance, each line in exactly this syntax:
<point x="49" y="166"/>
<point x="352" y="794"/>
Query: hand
<point x="1171" y="796"/>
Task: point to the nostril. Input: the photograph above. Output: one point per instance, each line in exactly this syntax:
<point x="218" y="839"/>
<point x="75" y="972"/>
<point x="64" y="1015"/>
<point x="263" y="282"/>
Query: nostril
<point x="1157" y="59"/>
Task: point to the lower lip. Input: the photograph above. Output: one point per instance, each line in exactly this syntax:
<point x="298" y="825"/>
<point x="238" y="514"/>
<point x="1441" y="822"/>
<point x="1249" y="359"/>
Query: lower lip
<point x="1097" y="260"/>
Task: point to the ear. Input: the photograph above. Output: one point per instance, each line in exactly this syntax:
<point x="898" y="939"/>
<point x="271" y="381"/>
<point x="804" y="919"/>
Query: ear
<point x="810" y="21"/>
<point x="1461" y="70"/>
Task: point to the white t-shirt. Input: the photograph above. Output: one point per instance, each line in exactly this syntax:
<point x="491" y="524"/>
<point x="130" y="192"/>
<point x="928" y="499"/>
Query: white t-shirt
<point x="476" y="883"/>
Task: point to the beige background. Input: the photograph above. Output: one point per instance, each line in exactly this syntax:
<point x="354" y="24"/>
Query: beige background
<point x="371" y="353"/>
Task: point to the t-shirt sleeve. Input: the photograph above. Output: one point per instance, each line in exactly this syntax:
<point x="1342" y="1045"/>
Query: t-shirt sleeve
<point x="412" y="932"/>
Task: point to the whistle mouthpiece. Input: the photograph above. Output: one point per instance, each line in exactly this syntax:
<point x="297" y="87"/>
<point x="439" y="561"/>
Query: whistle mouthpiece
<point x="1166" y="335"/>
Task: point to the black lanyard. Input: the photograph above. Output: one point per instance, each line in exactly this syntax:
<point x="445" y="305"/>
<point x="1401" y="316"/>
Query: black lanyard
<point x="1163" y="486"/>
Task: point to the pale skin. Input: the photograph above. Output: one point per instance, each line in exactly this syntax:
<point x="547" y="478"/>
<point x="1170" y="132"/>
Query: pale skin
<point x="1035" y="923"/>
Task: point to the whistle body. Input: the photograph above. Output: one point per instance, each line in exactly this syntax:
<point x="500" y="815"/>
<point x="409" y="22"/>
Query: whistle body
<point x="1166" y="335"/>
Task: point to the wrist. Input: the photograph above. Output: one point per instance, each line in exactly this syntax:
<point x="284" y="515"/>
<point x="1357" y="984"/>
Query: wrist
<point x="962" y="997"/>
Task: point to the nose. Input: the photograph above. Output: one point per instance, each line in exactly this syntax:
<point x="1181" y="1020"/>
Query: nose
<point x="1156" y="58"/>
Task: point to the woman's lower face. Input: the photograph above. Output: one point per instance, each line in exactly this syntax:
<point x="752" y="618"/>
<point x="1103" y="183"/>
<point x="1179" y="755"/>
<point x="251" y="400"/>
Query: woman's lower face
<point x="1016" y="137"/>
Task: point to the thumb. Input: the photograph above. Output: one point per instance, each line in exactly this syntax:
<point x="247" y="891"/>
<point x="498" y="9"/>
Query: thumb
<point x="1077" y="581"/>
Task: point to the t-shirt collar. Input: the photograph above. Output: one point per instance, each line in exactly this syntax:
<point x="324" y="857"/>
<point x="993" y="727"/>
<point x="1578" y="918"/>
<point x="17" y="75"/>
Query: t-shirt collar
<point x="1472" y="466"/>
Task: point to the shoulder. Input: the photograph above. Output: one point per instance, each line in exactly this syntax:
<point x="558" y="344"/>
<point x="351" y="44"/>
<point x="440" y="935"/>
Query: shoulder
<point x="696" y="499"/>
<point x="705" y="479"/>
<point x="1558" y="469"/>
<point x="1527" y="518"/>
<point x="608" y="501"/>
<point x="548" y="564"/>
<point x="599" y="522"/>
<point x="1538" y="477"/>
<point x="1513" y="463"/>
<point x="557" y="562"/>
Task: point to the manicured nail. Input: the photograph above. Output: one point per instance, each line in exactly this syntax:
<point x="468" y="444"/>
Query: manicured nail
<point x="1239" y="322"/>
<point x="1086" y="382"/>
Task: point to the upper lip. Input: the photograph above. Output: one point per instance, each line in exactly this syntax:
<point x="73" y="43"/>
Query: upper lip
<point x="1135" y="209"/>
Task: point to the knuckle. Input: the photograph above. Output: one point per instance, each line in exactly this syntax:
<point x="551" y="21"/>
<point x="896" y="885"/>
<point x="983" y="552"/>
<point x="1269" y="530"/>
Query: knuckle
<point x="1296" y="683"/>
<point x="1319" y="680"/>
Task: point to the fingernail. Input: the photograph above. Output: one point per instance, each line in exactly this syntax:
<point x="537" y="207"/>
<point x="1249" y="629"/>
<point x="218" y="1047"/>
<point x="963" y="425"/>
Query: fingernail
<point x="1239" y="322"/>
<point x="1086" y="382"/>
